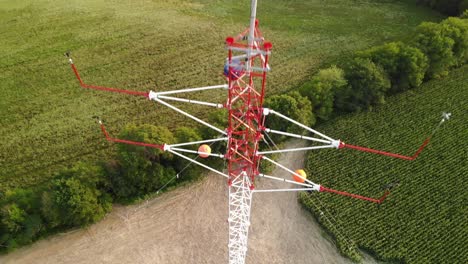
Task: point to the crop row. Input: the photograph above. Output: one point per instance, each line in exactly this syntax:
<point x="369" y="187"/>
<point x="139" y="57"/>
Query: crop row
<point x="424" y="218"/>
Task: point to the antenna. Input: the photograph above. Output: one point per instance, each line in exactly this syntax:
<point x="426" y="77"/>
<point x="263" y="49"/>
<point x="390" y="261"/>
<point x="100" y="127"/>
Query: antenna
<point x="246" y="71"/>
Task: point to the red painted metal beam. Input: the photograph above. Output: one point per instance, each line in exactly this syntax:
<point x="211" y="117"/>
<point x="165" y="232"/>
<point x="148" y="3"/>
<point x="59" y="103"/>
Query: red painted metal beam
<point x="389" y="154"/>
<point x="129" y="142"/>
<point x="356" y="196"/>
<point x="107" y="89"/>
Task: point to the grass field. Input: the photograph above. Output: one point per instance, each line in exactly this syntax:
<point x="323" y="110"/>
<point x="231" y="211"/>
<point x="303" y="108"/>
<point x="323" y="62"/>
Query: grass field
<point x="424" y="220"/>
<point x="140" y="45"/>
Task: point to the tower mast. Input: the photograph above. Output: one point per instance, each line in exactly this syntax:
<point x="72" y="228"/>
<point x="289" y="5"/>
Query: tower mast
<point x="246" y="80"/>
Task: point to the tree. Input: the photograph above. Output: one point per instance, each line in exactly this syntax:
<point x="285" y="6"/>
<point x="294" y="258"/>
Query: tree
<point x="20" y="221"/>
<point x="404" y="65"/>
<point x="76" y="198"/>
<point x="448" y="7"/>
<point x="12" y="218"/>
<point x="140" y="170"/>
<point x="321" y="90"/>
<point x="292" y="105"/>
<point x="464" y="15"/>
<point x="187" y="134"/>
<point x="49" y="211"/>
<point x="457" y="30"/>
<point x="367" y="84"/>
<point x="432" y="41"/>
<point x="219" y="119"/>
<point x="148" y="134"/>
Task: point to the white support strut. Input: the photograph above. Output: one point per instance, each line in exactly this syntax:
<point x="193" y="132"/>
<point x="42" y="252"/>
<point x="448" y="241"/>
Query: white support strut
<point x="294" y="149"/>
<point x="247" y="67"/>
<point x="268" y="130"/>
<point x="154" y="96"/>
<point x="187" y="90"/>
<point x="198" y="142"/>
<point x="283" y="180"/>
<point x="315" y="186"/>
<point x="261" y="55"/>
<point x="197" y="152"/>
<point x="284" y="190"/>
<point x="297" y="123"/>
<point x="190" y="101"/>
<point x="198" y="163"/>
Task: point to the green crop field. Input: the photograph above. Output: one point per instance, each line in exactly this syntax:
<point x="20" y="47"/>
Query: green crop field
<point x="46" y="120"/>
<point x="425" y="219"/>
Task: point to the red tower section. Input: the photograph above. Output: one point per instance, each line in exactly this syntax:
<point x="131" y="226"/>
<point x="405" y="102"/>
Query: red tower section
<point x="246" y="69"/>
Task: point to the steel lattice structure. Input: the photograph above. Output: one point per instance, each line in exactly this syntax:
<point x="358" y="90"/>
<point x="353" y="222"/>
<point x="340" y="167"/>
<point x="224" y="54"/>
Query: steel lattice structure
<point x="246" y="71"/>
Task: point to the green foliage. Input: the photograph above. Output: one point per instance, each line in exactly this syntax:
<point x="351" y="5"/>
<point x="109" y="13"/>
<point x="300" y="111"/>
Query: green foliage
<point x="432" y="41"/>
<point x="424" y="219"/>
<point x="367" y="84"/>
<point x="404" y="65"/>
<point x="149" y="134"/>
<point x="49" y="210"/>
<point x="12" y="217"/>
<point x="464" y="15"/>
<point x="140" y="170"/>
<point x="292" y="105"/>
<point x="76" y="197"/>
<point x="218" y="118"/>
<point x="187" y="134"/>
<point x="321" y="90"/>
<point x="457" y="30"/>
<point x="20" y="220"/>
<point x="448" y="7"/>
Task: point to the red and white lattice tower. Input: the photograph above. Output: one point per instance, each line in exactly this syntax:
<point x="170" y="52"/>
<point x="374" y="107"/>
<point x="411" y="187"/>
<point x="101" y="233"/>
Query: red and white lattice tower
<point x="246" y="70"/>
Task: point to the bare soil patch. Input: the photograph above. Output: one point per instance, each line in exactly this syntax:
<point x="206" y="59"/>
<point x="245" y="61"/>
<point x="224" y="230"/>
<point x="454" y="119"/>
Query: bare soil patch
<point x="188" y="225"/>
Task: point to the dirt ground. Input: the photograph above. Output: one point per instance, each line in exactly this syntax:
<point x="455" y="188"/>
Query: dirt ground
<point x="189" y="225"/>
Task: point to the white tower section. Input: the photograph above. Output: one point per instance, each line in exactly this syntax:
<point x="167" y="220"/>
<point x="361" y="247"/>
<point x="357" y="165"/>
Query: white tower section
<point x="240" y="200"/>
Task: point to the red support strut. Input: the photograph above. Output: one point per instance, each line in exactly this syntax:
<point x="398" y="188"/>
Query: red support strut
<point x="108" y="89"/>
<point x="373" y="200"/>
<point x="389" y="154"/>
<point x="136" y="143"/>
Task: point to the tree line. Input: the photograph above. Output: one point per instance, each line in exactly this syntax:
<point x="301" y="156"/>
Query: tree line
<point x="365" y="79"/>
<point x="83" y="194"/>
<point x="447" y="7"/>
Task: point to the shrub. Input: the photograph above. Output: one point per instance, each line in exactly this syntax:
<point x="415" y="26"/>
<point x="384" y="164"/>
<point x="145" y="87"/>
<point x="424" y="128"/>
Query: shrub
<point x="292" y="105"/>
<point x="140" y="170"/>
<point x="448" y="7"/>
<point x="12" y="218"/>
<point x="76" y="198"/>
<point x="404" y="65"/>
<point x="367" y="84"/>
<point x="464" y="15"/>
<point x="20" y="220"/>
<point x="219" y="119"/>
<point x="148" y="134"/>
<point x="457" y="30"/>
<point x="186" y="134"/>
<point x="432" y="41"/>
<point x="321" y="89"/>
<point x="49" y="210"/>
